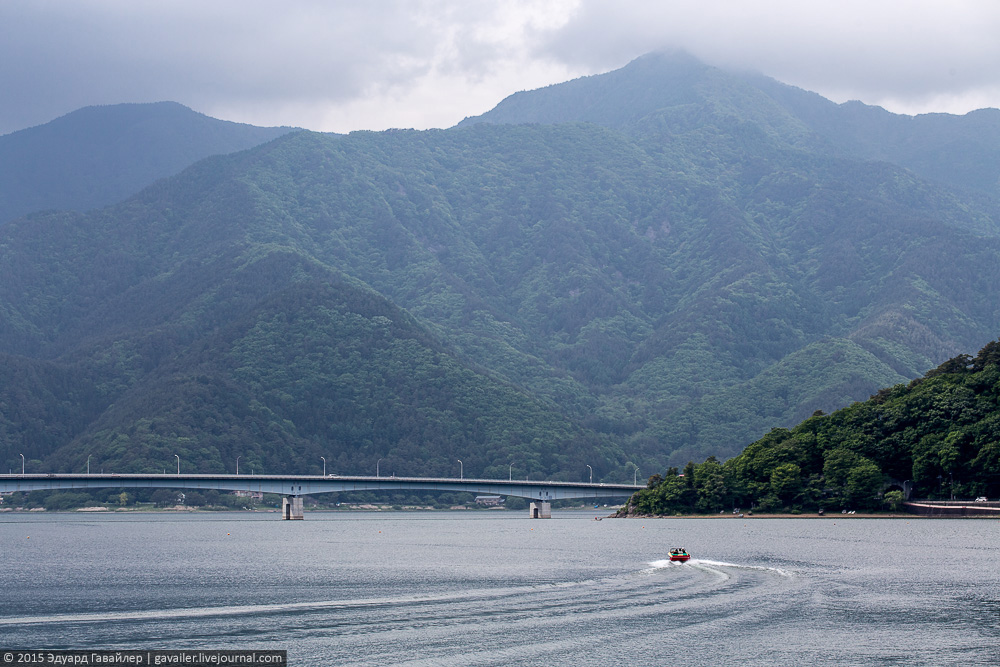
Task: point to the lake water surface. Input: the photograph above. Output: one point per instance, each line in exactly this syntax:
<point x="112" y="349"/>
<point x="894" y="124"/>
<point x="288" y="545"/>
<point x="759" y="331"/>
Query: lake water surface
<point x="495" y="588"/>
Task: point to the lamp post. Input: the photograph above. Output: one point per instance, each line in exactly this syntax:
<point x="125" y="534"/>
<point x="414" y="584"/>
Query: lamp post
<point x="510" y="473"/>
<point x="88" y="464"/>
<point x="22" y="464"/>
<point x="238" y="464"/>
<point x="324" y="465"/>
<point x="176" y="456"/>
<point x="461" y="469"/>
<point x="376" y="466"/>
<point x="591" y="474"/>
<point x="635" y="475"/>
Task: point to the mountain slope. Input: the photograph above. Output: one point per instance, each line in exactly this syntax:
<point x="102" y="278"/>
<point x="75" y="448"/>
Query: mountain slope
<point x="268" y="356"/>
<point x="97" y="156"/>
<point x="651" y="292"/>
<point x="960" y="151"/>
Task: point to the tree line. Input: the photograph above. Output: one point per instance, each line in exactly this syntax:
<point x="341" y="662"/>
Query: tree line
<point x="938" y="436"/>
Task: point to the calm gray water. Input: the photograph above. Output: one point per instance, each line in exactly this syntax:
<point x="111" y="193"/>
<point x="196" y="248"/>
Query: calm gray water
<point x="495" y="588"/>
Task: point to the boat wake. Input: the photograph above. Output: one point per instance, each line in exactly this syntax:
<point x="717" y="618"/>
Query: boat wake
<point x="473" y="596"/>
<point x="254" y="609"/>
<point x="713" y="565"/>
<point x="618" y="608"/>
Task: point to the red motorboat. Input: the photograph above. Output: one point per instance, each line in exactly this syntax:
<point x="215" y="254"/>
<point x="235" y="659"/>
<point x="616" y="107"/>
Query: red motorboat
<point x="679" y="555"/>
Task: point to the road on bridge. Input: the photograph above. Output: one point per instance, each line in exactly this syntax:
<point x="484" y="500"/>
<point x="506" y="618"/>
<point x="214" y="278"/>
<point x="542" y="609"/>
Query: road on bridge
<point x="293" y="487"/>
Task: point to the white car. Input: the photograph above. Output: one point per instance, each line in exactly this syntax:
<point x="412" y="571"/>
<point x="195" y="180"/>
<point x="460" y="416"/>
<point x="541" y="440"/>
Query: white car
<point x="982" y="499"/>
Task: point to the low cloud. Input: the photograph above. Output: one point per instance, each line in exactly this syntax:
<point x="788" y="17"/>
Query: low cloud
<point x="340" y="65"/>
<point x="908" y="55"/>
<point x="204" y="53"/>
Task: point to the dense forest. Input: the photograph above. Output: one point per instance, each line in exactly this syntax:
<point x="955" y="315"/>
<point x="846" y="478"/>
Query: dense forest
<point x="938" y="435"/>
<point x="668" y="262"/>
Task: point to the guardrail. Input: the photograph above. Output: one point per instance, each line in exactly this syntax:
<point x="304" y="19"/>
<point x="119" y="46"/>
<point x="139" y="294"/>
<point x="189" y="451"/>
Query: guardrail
<point x="301" y="485"/>
<point x="945" y="508"/>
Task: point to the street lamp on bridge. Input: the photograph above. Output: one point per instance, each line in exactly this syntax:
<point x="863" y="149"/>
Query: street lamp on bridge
<point x="324" y="465"/>
<point x="510" y="473"/>
<point x="178" y="463"/>
<point x="461" y="469"/>
<point x="22" y="464"/>
<point x="238" y="464"/>
<point x="376" y="466"/>
<point x="591" y="474"/>
<point x="88" y="464"/>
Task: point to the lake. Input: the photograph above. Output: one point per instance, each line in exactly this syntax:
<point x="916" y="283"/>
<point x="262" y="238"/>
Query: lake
<point x="495" y="588"/>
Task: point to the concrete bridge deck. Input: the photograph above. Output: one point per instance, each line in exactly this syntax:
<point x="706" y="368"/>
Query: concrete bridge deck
<point x="293" y="487"/>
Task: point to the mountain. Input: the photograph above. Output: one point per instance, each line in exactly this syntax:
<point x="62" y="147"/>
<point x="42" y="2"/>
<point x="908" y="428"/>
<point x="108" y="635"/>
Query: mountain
<point x="98" y="156"/>
<point x="667" y="283"/>
<point x="675" y="88"/>
<point x="261" y="353"/>
<point x="189" y="326"/>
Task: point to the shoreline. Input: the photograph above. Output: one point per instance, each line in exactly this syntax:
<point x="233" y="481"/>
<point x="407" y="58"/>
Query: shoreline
<point x="872" y="515"/>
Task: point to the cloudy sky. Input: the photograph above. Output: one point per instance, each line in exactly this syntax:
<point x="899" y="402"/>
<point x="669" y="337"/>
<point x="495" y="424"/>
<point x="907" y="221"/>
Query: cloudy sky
<point x="341" y="65"/>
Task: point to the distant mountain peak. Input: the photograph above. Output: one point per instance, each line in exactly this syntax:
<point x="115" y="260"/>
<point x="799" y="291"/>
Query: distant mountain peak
<point x="663" y="92"/>
<point x="614" y="98"/>
<point x="99" y="155"/>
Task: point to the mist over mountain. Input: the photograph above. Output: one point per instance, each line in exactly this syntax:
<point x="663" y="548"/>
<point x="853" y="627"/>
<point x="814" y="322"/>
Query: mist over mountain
<point x="961" y="151"/>
<point x="99" y="155"/>
<point x="643" y="267"/>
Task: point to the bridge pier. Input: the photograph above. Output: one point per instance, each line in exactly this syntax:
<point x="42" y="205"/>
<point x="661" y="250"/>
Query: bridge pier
<point x="291" y="508"/>
<point x="540" y="510"/>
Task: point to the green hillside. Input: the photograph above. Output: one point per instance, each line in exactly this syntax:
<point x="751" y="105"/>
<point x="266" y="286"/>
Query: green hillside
<point x="647" y="291"/>
<point x="939" y="436"/>
<point x="98" y="156"/>
<point x="280" y="361"/>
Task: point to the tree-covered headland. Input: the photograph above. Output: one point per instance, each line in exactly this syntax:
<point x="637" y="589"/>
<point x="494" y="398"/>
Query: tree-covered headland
<point x="939" y="435"/>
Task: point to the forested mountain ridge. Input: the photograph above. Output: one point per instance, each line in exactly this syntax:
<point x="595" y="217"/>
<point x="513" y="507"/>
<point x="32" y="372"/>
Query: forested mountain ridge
<point x="573" y="293"/>
<point x="261" y="353"/>
<point x="98" y="156"/>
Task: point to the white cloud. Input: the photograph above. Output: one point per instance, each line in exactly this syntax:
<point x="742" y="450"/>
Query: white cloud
<point x="907" y="55"/>
<point x="480" y="53"/>
<point x="343" y="65"/>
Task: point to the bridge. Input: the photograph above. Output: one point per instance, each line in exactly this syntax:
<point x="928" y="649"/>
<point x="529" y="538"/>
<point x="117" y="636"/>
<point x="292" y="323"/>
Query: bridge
<point x="293" y="487"/>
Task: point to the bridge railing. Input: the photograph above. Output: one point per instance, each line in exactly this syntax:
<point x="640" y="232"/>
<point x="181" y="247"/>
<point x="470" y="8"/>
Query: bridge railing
<point x="300" y="485"/>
